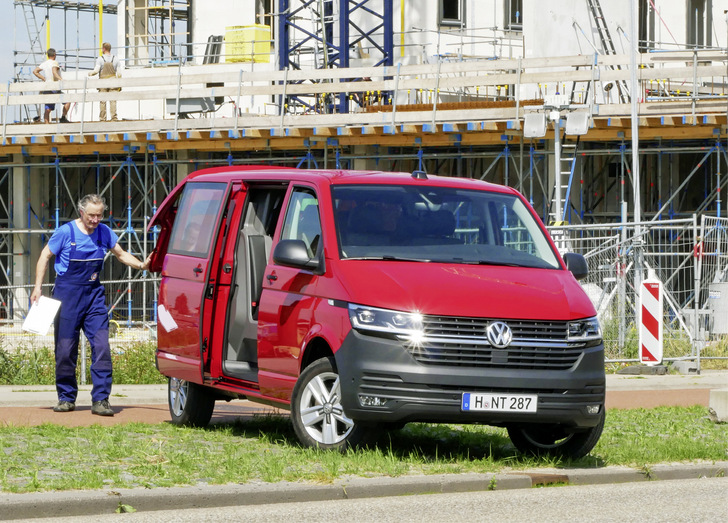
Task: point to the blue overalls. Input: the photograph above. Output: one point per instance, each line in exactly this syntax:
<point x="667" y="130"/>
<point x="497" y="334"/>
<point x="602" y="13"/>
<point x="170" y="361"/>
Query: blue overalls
<point x="83" y="305"/>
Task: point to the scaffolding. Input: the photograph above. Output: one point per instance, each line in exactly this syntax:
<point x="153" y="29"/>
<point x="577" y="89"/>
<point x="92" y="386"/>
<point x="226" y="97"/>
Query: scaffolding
<point x="456" y="115"/>
<point x="323" y="34"/>
<point x="157" y="32"/>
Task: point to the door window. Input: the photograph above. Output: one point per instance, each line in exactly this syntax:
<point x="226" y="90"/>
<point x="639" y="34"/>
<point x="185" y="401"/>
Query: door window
<point x="302" y="220"/>
<point x="194" y="226"/>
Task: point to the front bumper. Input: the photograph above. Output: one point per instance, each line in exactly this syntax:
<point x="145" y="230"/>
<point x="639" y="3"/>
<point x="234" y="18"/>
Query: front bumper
<point x="383" y="368"/>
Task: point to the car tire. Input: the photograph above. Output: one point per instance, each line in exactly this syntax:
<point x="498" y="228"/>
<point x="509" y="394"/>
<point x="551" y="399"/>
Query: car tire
<point x="190" y="404"/>
<point x="555" y="441"/>
<point x="316" y="412"/>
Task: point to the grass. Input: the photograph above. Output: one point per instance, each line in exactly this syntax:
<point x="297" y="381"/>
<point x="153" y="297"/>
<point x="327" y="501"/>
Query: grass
<point x="50" y="457"/>
<point x="132" y="363"/>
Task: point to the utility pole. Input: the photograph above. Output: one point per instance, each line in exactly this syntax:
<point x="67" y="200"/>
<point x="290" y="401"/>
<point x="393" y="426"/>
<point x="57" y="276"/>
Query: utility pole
<point x="634" y="91"/>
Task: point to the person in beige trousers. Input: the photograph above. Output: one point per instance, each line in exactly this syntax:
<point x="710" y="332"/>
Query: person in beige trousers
<point x="107" y="66"/>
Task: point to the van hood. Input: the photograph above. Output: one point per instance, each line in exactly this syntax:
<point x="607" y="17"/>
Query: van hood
<point x="466" y="290"/>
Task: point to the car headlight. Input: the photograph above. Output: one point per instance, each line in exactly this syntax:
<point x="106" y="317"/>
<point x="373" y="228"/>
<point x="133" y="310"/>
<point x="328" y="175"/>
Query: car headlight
<point x="385" y="321"/>
<point x="585" y="331"/>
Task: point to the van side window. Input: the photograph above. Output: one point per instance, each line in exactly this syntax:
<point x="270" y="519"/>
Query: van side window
<point x="302" y="220"/>
<point x="193" y="227"/>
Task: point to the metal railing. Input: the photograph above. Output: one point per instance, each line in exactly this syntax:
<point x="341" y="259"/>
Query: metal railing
<point x="689" y="257"/>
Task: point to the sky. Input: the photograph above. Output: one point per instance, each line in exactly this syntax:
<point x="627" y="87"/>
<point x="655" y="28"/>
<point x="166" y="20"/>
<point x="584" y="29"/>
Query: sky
<point x="6" y="40"/>
<point x="85" y="36"/>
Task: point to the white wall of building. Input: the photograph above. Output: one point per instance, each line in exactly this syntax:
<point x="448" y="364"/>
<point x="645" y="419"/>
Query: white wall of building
<point x="213" y="18"/>
<point x="566" y="27"/>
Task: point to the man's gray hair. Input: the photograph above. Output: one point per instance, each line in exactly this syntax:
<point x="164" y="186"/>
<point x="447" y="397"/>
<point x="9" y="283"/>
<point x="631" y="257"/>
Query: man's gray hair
<point x="91" y="198"/>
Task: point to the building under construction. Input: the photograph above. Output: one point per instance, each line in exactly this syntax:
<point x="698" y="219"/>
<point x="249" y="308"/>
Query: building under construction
<point x="610" y="117"/>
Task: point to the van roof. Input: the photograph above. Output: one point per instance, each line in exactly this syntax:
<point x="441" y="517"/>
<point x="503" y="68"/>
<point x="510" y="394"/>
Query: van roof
<point x="336" y="177"/>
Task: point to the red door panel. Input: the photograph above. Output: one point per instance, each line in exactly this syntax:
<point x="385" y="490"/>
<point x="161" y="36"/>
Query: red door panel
<point x="185" y="278"/>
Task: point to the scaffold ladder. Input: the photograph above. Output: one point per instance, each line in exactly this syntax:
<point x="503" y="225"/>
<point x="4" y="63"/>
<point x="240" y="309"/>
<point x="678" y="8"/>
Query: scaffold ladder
<point x="565" y="169"/>
<point x="323" y="19"/>
<point x="607" y="43"/>
<point x="35" y="56"/>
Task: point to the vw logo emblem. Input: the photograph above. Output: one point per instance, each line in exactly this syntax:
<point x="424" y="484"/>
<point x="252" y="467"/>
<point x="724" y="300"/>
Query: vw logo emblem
<point x="499" y="334"/>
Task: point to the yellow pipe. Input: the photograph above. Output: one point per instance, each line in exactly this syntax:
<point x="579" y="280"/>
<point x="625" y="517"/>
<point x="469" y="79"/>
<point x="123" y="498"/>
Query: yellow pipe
<point x="101" y="26"/>
<point x="48" y="32"/>
<point x="401" y="28"/>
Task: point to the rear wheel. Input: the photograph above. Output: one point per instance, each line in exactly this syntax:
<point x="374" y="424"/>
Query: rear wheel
<point x="190" y="404"/>
<point x="554" y="440"/>
<point x="316" y="412"/>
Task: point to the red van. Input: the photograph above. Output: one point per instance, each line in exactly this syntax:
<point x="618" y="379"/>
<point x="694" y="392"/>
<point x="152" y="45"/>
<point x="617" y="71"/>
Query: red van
<point x="365" y="300"/>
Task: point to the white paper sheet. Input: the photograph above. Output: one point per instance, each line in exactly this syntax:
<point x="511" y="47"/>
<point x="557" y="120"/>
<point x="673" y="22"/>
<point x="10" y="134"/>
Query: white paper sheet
<point x="166" y="319"/>
<point x="41" y="315"/>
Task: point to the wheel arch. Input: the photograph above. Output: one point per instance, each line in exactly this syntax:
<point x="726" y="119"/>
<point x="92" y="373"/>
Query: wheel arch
<point x="315" y="349"/>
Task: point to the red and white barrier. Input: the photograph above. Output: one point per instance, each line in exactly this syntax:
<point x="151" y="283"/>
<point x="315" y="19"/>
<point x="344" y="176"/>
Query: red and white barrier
<point x="651" y="319"/>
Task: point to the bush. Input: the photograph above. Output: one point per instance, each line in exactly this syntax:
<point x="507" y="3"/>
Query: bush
<point x="132" y="364"/>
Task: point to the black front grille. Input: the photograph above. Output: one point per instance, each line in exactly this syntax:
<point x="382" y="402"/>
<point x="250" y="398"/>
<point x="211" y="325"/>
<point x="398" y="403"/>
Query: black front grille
<point x="455" y="341"/>
<point x="392" y="386"/>
<point x="522" y="329"/>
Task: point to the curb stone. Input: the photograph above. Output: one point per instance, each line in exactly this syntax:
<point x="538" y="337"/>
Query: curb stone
<point x="103" y="502"/>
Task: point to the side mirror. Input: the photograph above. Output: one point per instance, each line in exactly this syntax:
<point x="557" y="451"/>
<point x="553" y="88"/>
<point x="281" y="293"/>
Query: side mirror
<point x="576" y="264"/>
<point x="293" y="253"/>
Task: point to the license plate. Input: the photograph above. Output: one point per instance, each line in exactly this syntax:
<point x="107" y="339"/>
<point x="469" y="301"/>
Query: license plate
<point x="499" y="402"/>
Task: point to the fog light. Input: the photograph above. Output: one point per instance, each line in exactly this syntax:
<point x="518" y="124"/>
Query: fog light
<point x="593" y="409"/>
<point x="372" y="401"/>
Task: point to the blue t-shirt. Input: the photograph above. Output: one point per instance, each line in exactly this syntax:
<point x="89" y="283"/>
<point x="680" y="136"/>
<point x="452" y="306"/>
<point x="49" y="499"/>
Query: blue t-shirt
<point x="60" y="242"/>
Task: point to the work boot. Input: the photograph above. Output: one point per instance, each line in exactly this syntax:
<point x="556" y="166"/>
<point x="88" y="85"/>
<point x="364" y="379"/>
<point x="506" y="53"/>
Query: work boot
<point x="102" y="408"/>
<point x="64" y="120"/>
<point x="64" y="406"/>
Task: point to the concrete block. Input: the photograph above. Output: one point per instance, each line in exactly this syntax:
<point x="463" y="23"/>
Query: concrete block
<point x="718" y="404"/>
<point x="685" y="367"/>
<point x="649" y="370"/>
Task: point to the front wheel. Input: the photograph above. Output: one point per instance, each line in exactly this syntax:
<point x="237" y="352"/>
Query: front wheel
<point x="316" y="412"/>
<point x="555" y="441"/>
<point x="189" y="404"/>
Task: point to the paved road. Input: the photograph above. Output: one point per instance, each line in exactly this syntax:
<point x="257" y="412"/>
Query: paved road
<point x="32" y="405"/>
<point x="693" y="500"/>
<point x="687" y="500"/>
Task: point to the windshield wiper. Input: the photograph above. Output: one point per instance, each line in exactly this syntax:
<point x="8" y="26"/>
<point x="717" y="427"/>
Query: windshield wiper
<point x="389" y="257"/>
<point x="487" y="262"/>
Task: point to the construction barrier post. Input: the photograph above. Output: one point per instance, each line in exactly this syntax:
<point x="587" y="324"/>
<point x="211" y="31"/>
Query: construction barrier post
<point x="651" y="321"/>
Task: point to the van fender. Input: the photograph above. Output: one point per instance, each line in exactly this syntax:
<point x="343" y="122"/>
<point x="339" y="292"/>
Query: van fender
<point x="331" y="325"/>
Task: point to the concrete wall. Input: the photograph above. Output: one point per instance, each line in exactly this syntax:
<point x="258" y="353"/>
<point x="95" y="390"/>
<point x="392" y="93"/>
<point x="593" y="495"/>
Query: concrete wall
<point x="208" y="20"/>
<point x="566" y="27"/>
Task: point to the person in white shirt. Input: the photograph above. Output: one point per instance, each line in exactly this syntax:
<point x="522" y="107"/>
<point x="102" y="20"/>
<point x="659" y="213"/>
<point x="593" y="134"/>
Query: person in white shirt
<point x="107" y="66"/>
<point x="50" y="71"/>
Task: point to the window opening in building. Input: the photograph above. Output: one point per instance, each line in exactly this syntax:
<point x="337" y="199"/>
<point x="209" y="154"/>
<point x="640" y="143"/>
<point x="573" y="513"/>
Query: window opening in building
<point x="699" y="22"/>
<point x="452" y="12"/>
<point x="514" y="15"/>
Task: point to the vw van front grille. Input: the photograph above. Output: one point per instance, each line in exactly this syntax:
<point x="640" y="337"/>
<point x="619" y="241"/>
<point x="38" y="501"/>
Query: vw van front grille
<point x="456" y="341"/>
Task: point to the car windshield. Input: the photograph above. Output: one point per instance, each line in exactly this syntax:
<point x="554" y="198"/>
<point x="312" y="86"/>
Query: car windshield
<point x="438" y="224"/>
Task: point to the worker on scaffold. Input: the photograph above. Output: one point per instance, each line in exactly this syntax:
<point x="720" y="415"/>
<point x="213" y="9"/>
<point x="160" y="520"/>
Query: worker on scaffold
<point x="107" y="66"/>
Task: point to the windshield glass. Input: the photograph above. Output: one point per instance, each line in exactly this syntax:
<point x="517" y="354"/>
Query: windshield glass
<point x="436" y="224"/>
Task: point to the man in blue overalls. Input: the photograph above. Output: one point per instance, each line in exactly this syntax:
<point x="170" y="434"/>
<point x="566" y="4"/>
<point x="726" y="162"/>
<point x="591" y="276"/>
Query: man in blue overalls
<point x="79" y="247"/>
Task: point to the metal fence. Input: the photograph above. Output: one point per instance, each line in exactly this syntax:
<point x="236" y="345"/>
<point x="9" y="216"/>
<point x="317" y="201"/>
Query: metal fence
<point x="688" y="256"/>
<point x="132" y="314"/>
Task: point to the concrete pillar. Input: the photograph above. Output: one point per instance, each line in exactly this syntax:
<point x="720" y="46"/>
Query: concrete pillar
<point x="29" y="184"/>
<point x="362" y="164"/>
<point x="21" y="273"/>
<point x="184" y="167"/>
<point x="137" y="31"/>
